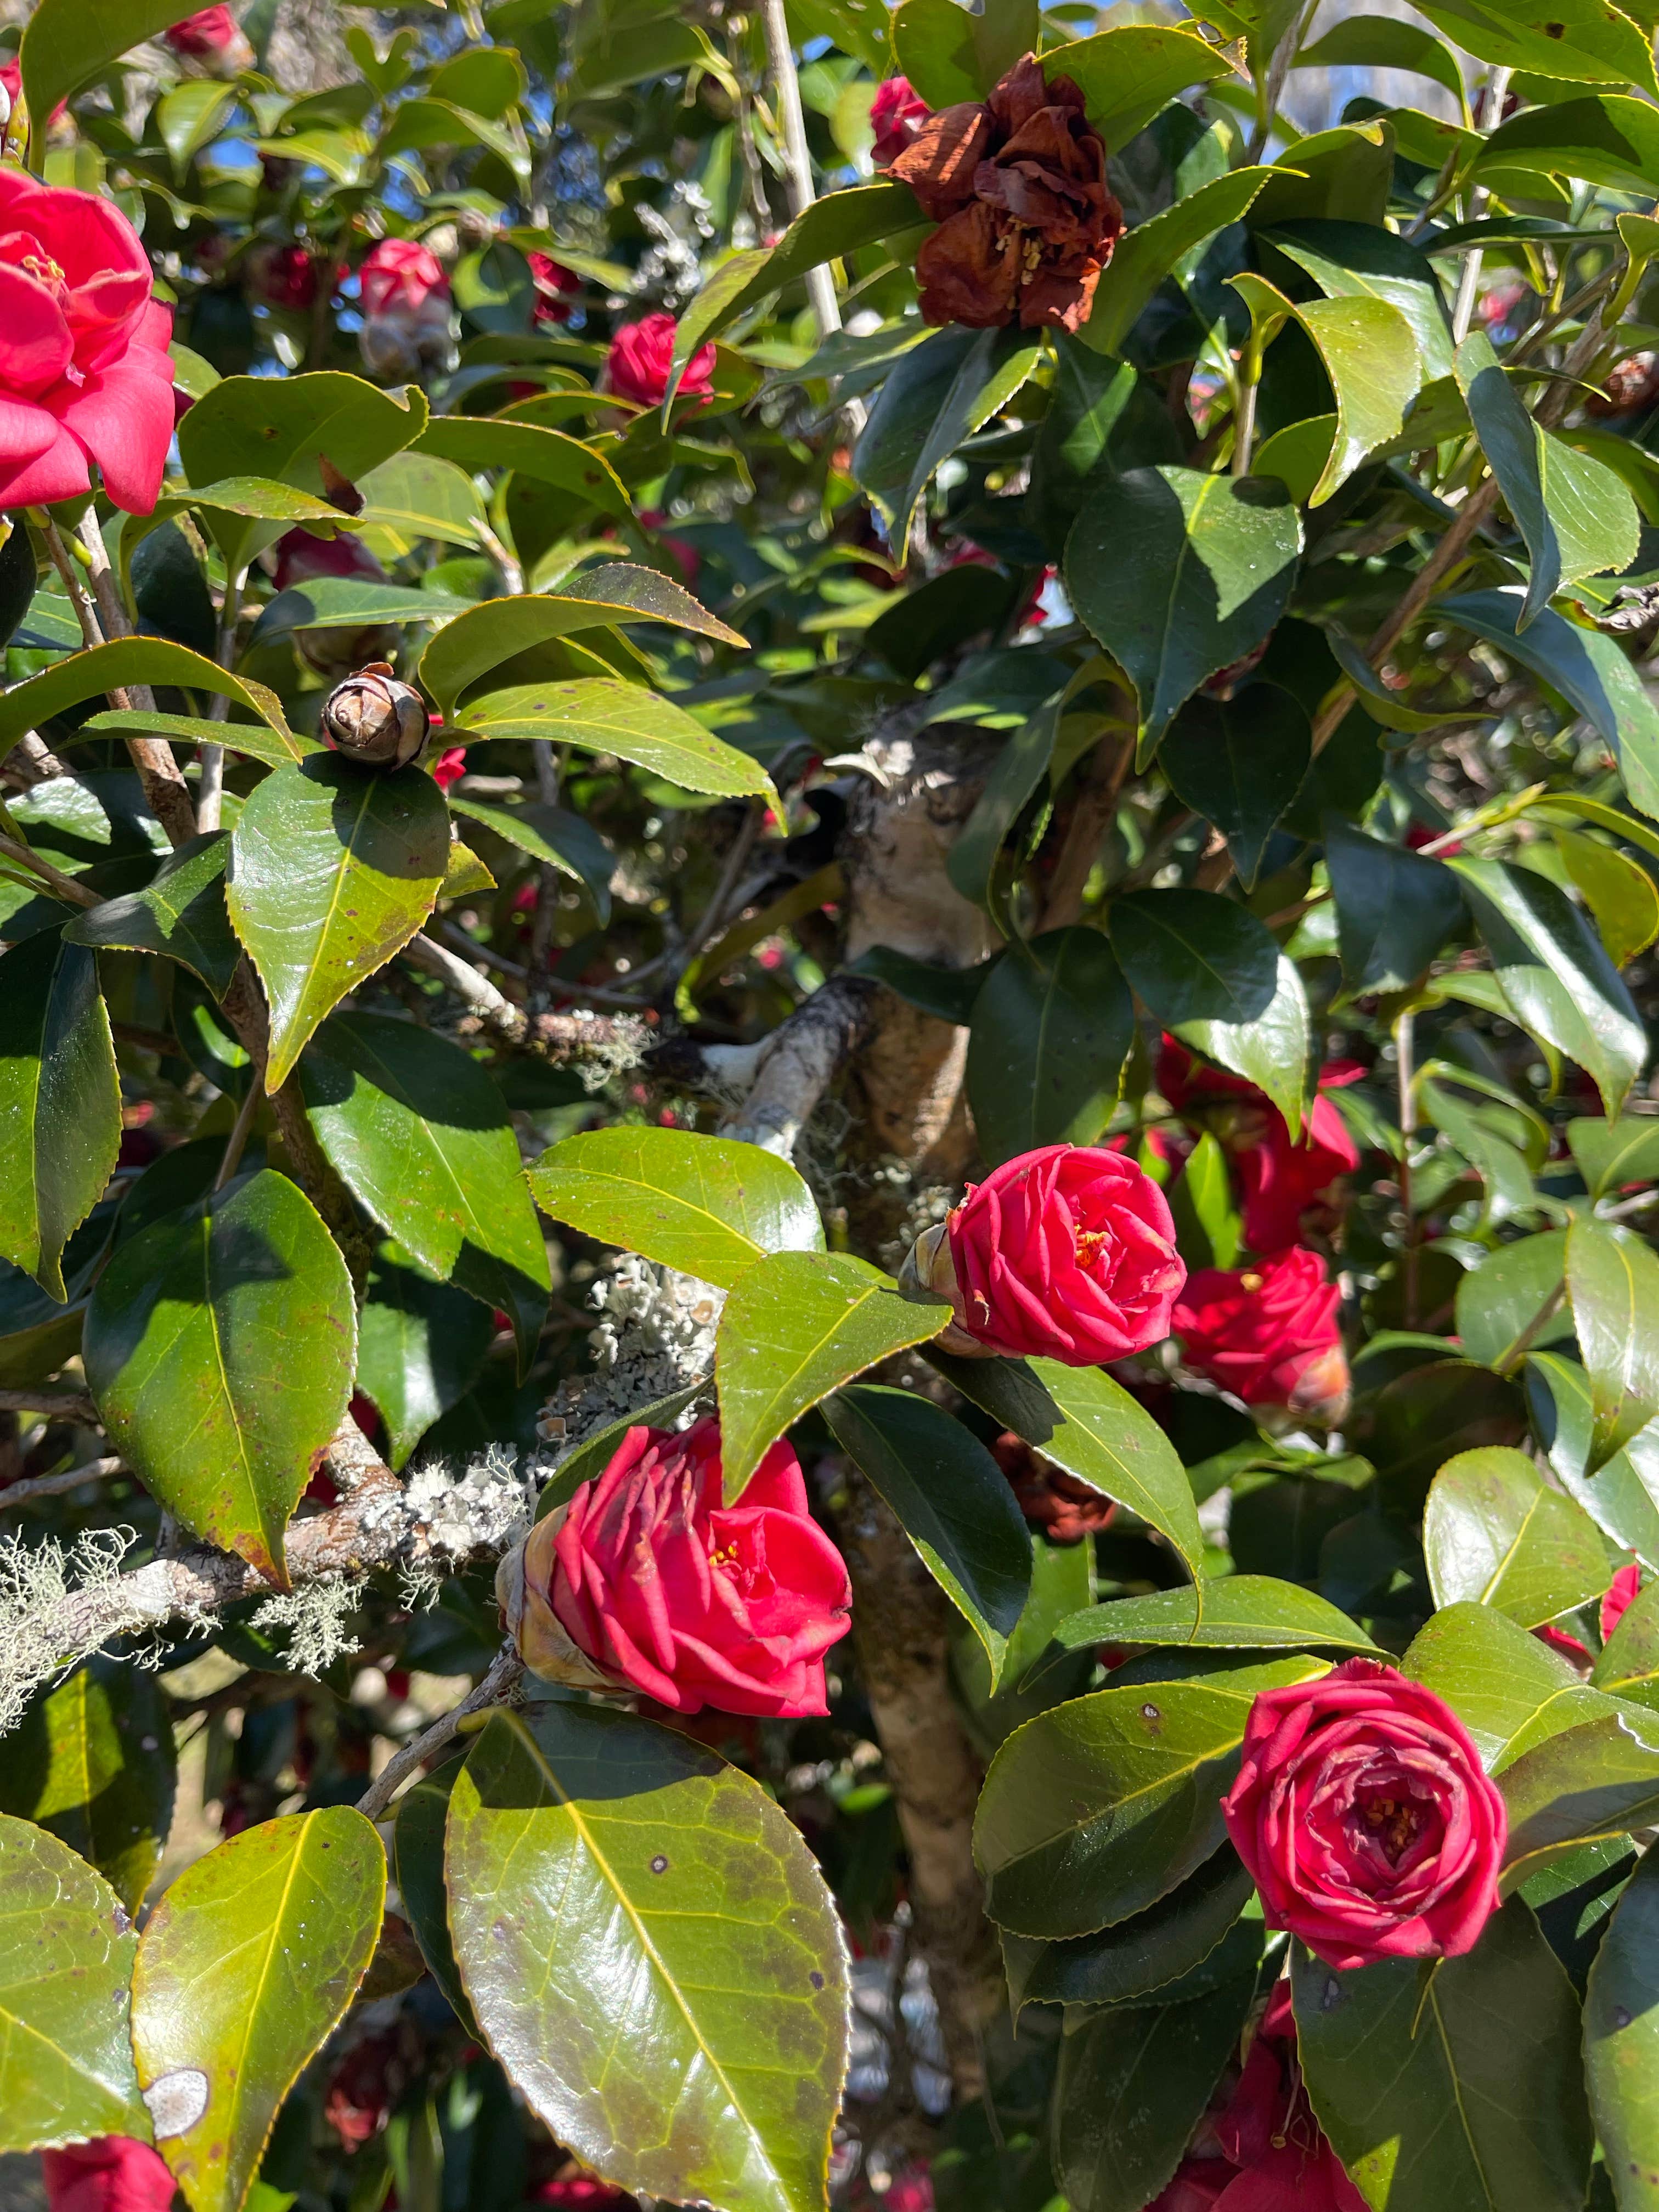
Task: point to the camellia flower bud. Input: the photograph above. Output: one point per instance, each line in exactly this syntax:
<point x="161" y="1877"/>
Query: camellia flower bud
<point x="375" y="718"/>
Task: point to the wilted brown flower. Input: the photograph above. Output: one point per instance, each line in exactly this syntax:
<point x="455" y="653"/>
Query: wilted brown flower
<point x="1066" y="1510"/>
<point x="1017" y="185"/>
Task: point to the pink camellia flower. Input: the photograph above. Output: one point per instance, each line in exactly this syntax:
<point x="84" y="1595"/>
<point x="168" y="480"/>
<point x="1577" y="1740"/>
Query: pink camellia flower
<point x="896" y="113"/>
<point x="1067" y="1253"/>
<point x="404" y="294"/>
<point x="1268" y="1334"/>
<point x="111" y="2173"/>
<point x="210" y="35"/>
<point x="1286" y="1189"/>
<point x="11" y="83"/>
<point x="647" y="1581"/>
<point x="1364" y="1818"/>
<point x="449" y="767"/>
<point x="400" y="274"/>
<point x="554" y="285"/>
<point x="641" y="356"/>
<point x="1616" y="1602"/>
<point x="299" y="558"/>
<point x="85" y="373"/>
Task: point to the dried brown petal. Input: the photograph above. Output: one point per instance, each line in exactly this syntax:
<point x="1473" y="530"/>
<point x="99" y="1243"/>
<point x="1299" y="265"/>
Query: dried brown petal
<point x="940" y="162"/>
<point x="374" y="718"/>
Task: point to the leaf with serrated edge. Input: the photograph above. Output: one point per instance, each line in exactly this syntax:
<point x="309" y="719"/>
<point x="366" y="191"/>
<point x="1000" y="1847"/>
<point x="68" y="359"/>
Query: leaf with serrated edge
<point x="1621" y="2040"/>
<point x="1613" y="1292"/>
<point x="1494" y="1533"/>
<point x="604" y="717"/>
<point x="245" y="1968"/>
<point x="180" y="913"/>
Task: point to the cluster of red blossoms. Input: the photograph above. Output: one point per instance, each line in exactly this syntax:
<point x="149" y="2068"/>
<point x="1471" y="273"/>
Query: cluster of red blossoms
<point x="1017" y="183"/>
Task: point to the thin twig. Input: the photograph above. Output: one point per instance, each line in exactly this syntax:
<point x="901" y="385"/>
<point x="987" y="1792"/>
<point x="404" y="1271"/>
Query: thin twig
<point x="505" y="1673"/>
<point x="238" y="1135"/>
<point x="66" y="886"/>
<point x="163" y="779"/>
<point x="209" y="790"/>
<point x="499" y="961"/>
<point x="45" y="1398"/>
<point x="1404" y="1043"/>
<point x="1469" y="282"/>
<point x="55" y="1485"/>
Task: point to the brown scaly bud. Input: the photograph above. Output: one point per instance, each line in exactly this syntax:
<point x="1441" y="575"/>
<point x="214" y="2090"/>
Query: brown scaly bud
<point x="374" y="718"/>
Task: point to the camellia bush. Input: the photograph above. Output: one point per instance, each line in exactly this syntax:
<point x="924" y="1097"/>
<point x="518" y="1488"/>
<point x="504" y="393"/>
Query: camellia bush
<point x="829" y="1344"/>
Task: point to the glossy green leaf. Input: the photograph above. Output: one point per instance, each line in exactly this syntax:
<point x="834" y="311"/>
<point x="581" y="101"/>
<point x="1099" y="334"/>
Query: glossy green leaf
<point x="651" y="1953"/>
<point x="952" y="54"/>
<point x="1179" y="573"/>
<point x="418" y="495"/>
<point x="154" y="660"/>
<point x="1206" y="968"/>
<point x="1613" y="1291"/>
<point x="1049" y="1034"/>
<point x="1499" y="1303"/>
<point x="282" y="426"/>
<point x="1555" y="973"/>
<point x="1589" y="670"/>
<point x="66" y="1953"/>
<point x="975" y="863"/>
<point x="937" y="397"/>
<point x="1584" y="1784"/>
<point x="1620" y="894"/>
<point x="950" y="1497"/>
<point x="245" y="1968"/>
<point x="1088" y="1425"/>
<point x="60" y="1102"/>
<point x="1133" y="2086"/>
<point x="1240" y="1612"/>
<point x="421" y="1816"/>
<point x="1240" y="762"/>
<point x="419" y="1346"/>
<point x="1575" y="515"/>
<point x="1371" y="355"/>
<point x="91" y="1760"/>
<point x="796" y="1326"/>
<point x="1339" y="176"/>
<point x="1145" y="256"/>
<point x="465" y="650"/>
<point x="1128" y="72"/>
<point x="600" y="716"/>
<point x="1496" y="1534"/>
<point x="333" y="868"/>
<point x="1137" y="1957"/>
<point x="255" y="739"/>
<point x="1098" y="1807"/>
<point x="180" y="913"/>
<point x="946" y="992"/>
<point x="1509" y="1690"/>
<point x="421" y="1137"/>
<point x="706" y="1205"/>
<point x="1361" y="260"/>
<point x="1621" y="2040"/>
<point x="1628" y="1665"/>
<point x="1394" y="910"/>
<point x="1605" y="138"/>
<point x="552" y="834"/>
<point x="67" y="43"/>
<point x="1383" y="42"/>
<point x="1462" y="2090"/>
<point x="190" y="1353"/>
<point x="351" y="603"/>
<point x="530" y="449"/>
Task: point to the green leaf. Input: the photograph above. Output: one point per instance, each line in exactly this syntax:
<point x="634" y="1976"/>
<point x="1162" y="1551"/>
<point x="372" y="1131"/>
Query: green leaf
<point x="1117" y="1966"/>
<point x="951" y="53"/>
<point x="530" y="449"/>
<point x="1239" y="1613"/>
<point x="180" y="913"/>
<point x="1369" y="352"/>
<point x="1509" y="1690"/>
<point x="421" y="1815"/>
<point x="1628" y="1665"/>
<point x="707" y="1205"/>
<point x="1621" y="2040"/>
<point x="60" y="1102"/>
<point x="1575" y="515"/>
<point x="798" y="1325"/>
<point x="67" y="43"/>
<point x="1613" y="1291"/>
<point x="601" y="716"/>
<point x="1133" y="2086"/>
<point x="284" y="426"/>
<point x="1129" y="72"/>
<point x="421" y="1137"/>
<point x="1049" y="1034"/>
<point x="486" y="635"/>
<point x="244" y="1969"/>
<point x="1580" y="1786"/>
<point x="952" y="1498"/>
<point x="1339" y="176"/>
<point x="903" y="444"/>
<point x="1498" y="1302"/>
<point x="1555" y="973"/>
<point x="419" y="1346"/>
<point x="1360" y="260"/>
<point x="1179" y="575"/>
<point x="1206" y="968"/>
<point x="1394" y="910"/>
<point x="1098" y="1807"/>
<point x="66" y="1953"/>
<point x="1496" y="1534"/>
<point x="1088" y="1425"/>
<point x="154" y="660"/>
<point x="947" y="993"/>
<point x="92" y="1762"/>
<point x="190" y="1348"/>
<point x="350" y="603"/>
<point x="974" y="861"/>
<point x="553" y="835"/>
<point x="1621" y="1497"/>
<point x="1620" y="894"/>
<point x="333" y="868"/>
<point x="1382" y="42"/>
<point x="1606" y="139"/>
<point x="1589" y="670"/>
<point x="1460" y="2089"/>
<point x="651" y="1953"/>
<point x="256" y="739"/>
<point x="416" y="496"/>
<point x="1153" y="250"/>
<point x="1240" y="762"/>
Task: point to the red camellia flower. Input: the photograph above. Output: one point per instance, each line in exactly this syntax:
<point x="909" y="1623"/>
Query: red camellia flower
<point x="554" y="284"/>
<point x="283" y="275"/>
<point x="1268" y="1334"/>
<point x="1365" y="1820"/>
<point x="641" y="359"/>
<point x="111" y="2173"/>
<point x="299" y="558"/>
<point x="449" y="767"/>
<point x="400" y="274"/>
<point x="85" y="373"/>
<point x="1285" y="1187"/>
<point x="209" y="35"/>
<point x="1017" y="185"/>
<point x="896" y="113"/>
<point x="1067" y="1253"/>
<point x="647" y="1581"/>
